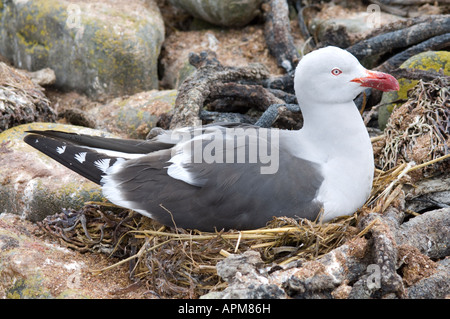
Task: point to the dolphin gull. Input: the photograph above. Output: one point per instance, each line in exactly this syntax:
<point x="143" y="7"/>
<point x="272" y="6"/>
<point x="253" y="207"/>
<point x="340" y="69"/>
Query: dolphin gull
<point x="239" y="176"/>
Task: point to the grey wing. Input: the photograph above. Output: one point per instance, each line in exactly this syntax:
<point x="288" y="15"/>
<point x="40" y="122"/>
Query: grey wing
<point x="218" y="194"/>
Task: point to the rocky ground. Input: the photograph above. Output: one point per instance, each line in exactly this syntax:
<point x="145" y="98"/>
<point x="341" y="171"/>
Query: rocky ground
<point x="115" y="68"/>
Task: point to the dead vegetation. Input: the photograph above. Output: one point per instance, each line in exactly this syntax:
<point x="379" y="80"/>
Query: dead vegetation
<point x="179" y="263"/>
<point x="21" y="100"/>
<point x="418" y="130"/>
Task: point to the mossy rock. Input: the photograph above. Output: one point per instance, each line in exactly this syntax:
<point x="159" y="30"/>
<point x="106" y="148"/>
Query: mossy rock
<point x="97" y="48"/>
<point x="225" y="13"/>
<point x="134" y="116"/>
<point x="30" y="288"/>
<point x="430" y="60"/>
<point x="32" y="185"/>
<point x="33" y="268"/>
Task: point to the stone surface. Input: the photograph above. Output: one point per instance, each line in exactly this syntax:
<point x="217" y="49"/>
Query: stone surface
<point x="32" y="185"/>
<point x="226" y="13"/>
<point x="436" y="286"/>
<point x="32" y="267"/>
<point x="95" y="47"/>
<point x="134" y="116"/>
<point x="427" y="192"/>
<point x="43" y="77"/>
<point x="246" y="278"/>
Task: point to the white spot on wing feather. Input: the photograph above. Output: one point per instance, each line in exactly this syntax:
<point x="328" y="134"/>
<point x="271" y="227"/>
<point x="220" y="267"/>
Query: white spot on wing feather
<point x="61" y="149"/>
<point x="178" y="171"/>
<point x="81" y="157"/>
<point x="102" y="164"/>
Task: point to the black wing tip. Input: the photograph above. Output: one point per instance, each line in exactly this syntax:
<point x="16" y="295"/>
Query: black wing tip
<point x="31" y="138"/>
<point x="66" y="154"/>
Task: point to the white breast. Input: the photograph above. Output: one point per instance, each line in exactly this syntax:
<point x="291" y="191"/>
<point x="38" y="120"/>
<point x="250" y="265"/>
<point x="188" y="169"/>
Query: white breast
<point x="339" y="142"/>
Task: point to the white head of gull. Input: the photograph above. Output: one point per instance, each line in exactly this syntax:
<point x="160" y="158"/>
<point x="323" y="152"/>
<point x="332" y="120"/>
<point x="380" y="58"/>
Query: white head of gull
<point x="326" y="167"/>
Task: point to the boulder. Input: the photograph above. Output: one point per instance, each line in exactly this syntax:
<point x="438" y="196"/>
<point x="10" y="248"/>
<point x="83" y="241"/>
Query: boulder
<point x="32" y="185"/>
<point x="94" y="47"/>
<point x="32" y="267"/>
<point x="225" y="13"/>
<point x="134" y="116"/>
<point x="238" y="271"/>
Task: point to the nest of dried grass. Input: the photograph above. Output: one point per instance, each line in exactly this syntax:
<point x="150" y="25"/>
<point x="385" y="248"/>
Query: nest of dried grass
<point x="179" y="263"/>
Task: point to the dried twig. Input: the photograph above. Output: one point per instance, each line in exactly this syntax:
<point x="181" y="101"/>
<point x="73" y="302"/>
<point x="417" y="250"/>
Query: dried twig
<point x="193" y="92"/>
<point x="435" y="43"/>
<point x="234" y="97"/>
<point x="403" y="38"/>
<point x="301" y="22"/>
<point x="277" y="31"/>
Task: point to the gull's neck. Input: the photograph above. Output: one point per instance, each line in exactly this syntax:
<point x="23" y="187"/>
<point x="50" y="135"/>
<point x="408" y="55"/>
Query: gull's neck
<point x="335" y="137"/>
<point x="334" y="130"/>
<point x="343" y="116"/>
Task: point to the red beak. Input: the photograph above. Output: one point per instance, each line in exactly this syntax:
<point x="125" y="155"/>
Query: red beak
<point x="378" y="80"/>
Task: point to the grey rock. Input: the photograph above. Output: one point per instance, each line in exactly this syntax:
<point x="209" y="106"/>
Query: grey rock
<point x="245" y="264"/>
<point x="436" y="286"/>
<point x="246" y="277"/>
<point x="428" y="232"/>
<point x="428" y="193"/>
<point x="336" y="25"/>
<point x="226" y="13"/>
<point x="94" y="47"/>
<point x="134" y="116"/>
<point x="43" y="77"/>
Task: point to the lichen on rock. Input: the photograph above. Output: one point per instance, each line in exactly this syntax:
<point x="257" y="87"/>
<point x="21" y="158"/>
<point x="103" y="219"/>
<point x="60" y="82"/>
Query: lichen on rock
<point x="101" y="47"/>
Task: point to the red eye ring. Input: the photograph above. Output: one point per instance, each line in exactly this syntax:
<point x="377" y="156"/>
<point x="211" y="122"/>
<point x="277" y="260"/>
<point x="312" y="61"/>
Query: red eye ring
<point x="336" y="71"/>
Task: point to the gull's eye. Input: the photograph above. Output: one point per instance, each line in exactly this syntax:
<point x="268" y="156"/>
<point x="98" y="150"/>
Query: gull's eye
<point x="336" y="71"/>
